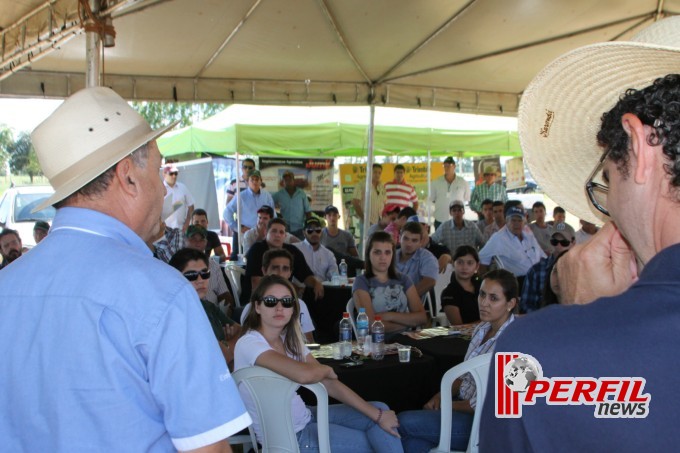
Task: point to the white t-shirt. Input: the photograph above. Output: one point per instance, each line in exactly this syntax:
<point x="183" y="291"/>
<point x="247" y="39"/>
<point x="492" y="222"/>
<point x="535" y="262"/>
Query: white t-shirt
<point x="248" y="349"/>
<point x="305" y="320"/>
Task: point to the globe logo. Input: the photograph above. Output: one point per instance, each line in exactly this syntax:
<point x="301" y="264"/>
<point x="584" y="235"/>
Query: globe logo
<point x="520" y="372"/>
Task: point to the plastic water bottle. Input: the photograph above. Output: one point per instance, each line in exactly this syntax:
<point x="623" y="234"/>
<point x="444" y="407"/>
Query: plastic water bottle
<point x="378" y="334"/>
<point x="346" y="335"/>
<point x="342" y="267"/>
<point x="362" y="327"/>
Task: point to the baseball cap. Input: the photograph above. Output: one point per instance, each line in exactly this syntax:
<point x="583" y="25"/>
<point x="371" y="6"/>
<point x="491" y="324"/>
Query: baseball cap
<point x="330" y="208"/>
<point x="562" y="229"/>
<point x="514" y="211"/>
<point x="457" y="203"/>
<point x="449" y="160"/>
<point x="390" y="208"/>
<point x="255" y="173"/>
<point x="419" y="219"/>
<point x="266" y="209"/>
<point x="312" y="221"/>
<point x="170" y="168"/>
<point x="196" y="229"/>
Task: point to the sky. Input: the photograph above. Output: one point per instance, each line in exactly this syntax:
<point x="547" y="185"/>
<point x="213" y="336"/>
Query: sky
<point x="25" y="114"/>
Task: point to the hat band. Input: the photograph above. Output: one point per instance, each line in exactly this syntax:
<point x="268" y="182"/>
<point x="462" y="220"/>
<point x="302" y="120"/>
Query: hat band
<point x="91" y="160"/>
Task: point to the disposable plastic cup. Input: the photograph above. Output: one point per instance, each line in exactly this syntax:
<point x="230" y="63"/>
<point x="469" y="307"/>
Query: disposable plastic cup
<point x="404" y="354"/>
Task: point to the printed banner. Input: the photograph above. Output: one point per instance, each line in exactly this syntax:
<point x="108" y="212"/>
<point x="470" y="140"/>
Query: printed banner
<point x="314" y="176"/>
<point x="514" y="173"/>
<point x="487" y="164"/>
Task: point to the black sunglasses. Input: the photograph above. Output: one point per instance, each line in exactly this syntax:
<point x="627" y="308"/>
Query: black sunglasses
<point x="174" y="173"/>
<point x="192" y="276"/>
<point x="562" y="242"/>
<point x="271" y="301"/>
<point x="313" y="230"/>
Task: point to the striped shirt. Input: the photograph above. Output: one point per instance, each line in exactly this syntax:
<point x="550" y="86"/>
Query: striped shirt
<point x="401" y="194"/>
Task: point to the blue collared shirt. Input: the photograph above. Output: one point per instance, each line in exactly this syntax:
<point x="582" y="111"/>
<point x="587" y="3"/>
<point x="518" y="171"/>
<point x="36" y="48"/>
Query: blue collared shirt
<point x="106" y="348"/>
<point x="293" y="208"/>
<point x="421" y="264"/>
<point x="250" y="203"/>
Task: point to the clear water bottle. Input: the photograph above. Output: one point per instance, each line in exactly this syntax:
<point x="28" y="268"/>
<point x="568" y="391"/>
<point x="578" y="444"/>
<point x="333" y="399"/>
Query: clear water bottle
<point x="346" y="335"/>
<point x="342" y="267"/>
<point x="362" y="327"/>
<point x="378" y="334"/>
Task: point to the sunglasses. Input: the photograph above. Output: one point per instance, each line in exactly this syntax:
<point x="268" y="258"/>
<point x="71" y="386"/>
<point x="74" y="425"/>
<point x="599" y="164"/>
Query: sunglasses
<point x="173" y="173"/>
<point x="562" y="242"/>
<point x="313" y="230"/>
<point x="271" y="301"/>
<point x="192" y="276"/>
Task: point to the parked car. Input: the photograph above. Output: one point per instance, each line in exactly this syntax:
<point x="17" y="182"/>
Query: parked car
<point x="16" y="206"/>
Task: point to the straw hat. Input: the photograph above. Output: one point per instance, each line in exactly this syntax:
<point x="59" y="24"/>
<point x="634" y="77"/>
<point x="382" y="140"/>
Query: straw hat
<point x="90" y="132"/>
<point x="561" y="109"/>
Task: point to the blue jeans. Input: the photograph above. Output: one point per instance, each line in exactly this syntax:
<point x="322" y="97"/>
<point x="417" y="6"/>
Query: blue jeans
<point x="350" y="431"/>
<point x="420" y="430"/>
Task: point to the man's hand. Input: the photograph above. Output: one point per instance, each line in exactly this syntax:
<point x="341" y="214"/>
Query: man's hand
<point x="444" y="261"/>
<point x="603" y="266"/>
<point x="318" y="290"/>
<point x="435" y="403"/>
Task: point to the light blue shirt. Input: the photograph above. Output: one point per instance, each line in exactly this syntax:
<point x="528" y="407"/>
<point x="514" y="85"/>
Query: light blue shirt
<point x="421" y="264"/>
<point x="516" y="256"/>
<point x="250" y="203"/>
<point x="105" y="348"/>
<point x="293" y="209"/>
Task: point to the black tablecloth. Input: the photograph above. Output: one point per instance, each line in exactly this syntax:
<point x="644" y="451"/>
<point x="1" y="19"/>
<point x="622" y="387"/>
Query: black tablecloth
<point x="402" y="386"/>
<point x="447" y="351"/>
<point x="327" y="312"/>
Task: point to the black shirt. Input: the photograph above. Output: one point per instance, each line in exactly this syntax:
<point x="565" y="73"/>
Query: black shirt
<point x="455" y="295"/>
<point x="437" y="249"/>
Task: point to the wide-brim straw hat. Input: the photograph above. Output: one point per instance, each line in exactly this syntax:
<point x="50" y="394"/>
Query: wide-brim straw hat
<point x="90" y="132"/>
<point x="561" y="109"/>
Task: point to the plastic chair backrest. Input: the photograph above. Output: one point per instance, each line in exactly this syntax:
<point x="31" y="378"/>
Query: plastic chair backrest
<point x="443" y="281"/>
<point x="478" y="367"/>
<point x="234" y="276"/>
<point x="352" y="315"/>
<point x="272" y="395"/>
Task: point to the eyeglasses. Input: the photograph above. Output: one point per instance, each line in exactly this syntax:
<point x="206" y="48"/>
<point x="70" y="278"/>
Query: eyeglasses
<point x="173" y="173"/>
<point x="271" y="301"/>
<point x="597" y="193"/>
<point x="313" y="230"/>
<point x="562" y="242"/>
<point x="192" y="276"/>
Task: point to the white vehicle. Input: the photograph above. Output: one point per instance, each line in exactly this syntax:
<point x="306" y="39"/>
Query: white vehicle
<point x="16" y="206"/>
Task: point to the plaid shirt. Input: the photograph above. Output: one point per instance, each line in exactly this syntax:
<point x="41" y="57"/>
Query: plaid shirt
<point x="468" y="390"/>
<point x="494" y="192"/>
<point x="534" y="283"/>
<point x="453" y="237"/>
<point x="169" y="244"/>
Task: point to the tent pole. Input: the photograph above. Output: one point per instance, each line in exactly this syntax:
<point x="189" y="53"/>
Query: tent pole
<point x="238" y="208"/>
<point x="92" y="52"/>
<point x="429" y="183"/>
<point x="369" y="182"/>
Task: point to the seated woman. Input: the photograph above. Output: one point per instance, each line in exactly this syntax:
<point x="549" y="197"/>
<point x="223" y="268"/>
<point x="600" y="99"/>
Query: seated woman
<point x="272" y="339"/>
<point x="420" y="429"/>
<point x="459" y="298"/>
<point x="381" y="290"/>
<point x="193" y="264"/>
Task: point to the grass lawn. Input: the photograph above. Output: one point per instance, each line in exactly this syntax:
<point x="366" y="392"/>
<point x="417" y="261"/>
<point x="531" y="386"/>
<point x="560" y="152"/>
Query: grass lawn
<point x="22" y="180"/>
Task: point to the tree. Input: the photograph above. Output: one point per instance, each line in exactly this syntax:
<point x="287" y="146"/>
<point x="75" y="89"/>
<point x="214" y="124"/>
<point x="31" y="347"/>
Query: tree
<point x="22" y="156"/>
<point x="6" y="139"/>
<point x="159" y="114"/>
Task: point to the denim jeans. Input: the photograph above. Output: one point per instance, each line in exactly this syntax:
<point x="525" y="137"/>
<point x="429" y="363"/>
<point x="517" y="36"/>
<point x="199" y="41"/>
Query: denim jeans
<point x="420" y="430"/>
<point x="350" y="431"/>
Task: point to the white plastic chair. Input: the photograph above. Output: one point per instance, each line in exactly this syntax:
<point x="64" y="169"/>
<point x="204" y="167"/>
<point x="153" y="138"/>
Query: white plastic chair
<point x="443" y="281"/>
<point x="351" y="309"/>
<point x="272" y="394"/>
<point x="478" y="367"/>
<point x="234" y="275"/>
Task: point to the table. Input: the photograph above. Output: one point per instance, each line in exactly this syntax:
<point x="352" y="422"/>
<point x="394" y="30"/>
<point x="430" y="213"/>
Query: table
<point x="447" y="351"/>
<point x="402" y="386"/>
<point x="327" y="312"/>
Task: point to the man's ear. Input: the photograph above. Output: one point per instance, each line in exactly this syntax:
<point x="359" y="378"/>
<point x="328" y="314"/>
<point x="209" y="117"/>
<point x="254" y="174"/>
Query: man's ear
<point x="637" y="133"/>
<point x="127" y="177"/>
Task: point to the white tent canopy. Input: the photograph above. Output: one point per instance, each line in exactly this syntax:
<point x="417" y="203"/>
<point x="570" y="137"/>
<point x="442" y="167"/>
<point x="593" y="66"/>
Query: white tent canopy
<point x="472" y="56"/>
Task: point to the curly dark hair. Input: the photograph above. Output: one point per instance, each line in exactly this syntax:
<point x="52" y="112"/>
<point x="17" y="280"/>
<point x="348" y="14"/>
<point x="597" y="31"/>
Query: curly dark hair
<point x="657" y="106"/>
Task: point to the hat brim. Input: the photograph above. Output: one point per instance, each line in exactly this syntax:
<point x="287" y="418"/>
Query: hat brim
<point x="561" y="109"/>
<point x="86" y="170"/>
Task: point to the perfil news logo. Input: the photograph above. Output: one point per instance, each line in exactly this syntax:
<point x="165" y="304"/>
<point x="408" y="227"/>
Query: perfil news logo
<point x="520" y="381"/>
